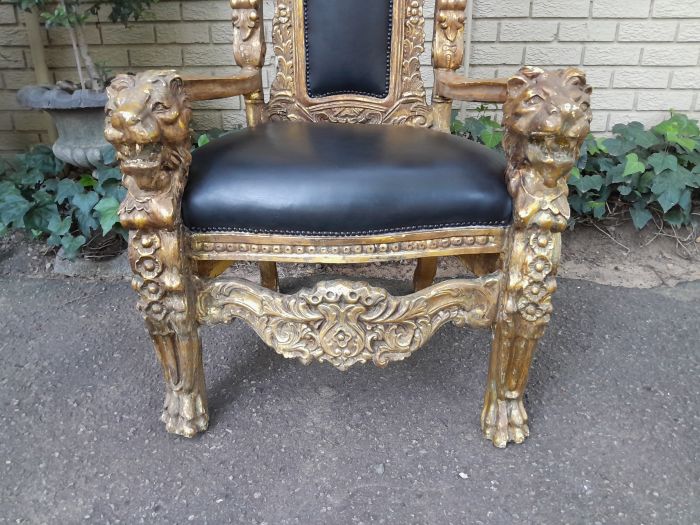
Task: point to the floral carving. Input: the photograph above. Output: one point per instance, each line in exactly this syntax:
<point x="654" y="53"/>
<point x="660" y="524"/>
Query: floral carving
<point x="346" y="322"/>
<point x="248" y="40"/>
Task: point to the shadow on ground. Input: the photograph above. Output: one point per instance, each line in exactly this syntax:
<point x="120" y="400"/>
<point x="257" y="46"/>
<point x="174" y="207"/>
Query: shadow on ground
<point x="613" y="402"/>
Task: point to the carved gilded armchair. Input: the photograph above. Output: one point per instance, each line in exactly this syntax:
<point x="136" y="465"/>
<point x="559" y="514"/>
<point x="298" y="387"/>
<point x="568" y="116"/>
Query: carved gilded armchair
<point x="347" y="163"/>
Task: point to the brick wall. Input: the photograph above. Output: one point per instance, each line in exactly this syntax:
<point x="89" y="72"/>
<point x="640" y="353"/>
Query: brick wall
<point x="643" y="56"/>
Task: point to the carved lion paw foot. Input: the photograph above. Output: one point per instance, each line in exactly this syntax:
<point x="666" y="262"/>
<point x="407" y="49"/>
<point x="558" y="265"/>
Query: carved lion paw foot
<point x="505" y="421"/>
<point x="184" y="413"/>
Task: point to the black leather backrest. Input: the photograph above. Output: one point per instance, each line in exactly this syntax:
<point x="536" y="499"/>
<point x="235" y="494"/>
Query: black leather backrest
<point x="348" y="47"/>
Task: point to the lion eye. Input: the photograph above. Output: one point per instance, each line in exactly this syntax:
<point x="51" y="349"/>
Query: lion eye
<point x="534" y="100"/>
<point x="158" y="107"/>
<point x="585" y="106"/>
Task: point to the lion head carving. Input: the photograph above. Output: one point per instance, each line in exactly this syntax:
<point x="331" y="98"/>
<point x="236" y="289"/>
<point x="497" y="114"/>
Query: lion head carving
<point x="547" y="116"/>
<point x="147" y="121"/>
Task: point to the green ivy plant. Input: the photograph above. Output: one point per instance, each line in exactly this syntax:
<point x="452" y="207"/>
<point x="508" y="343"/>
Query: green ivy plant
<point x="638" y="171"/>
<point x="38" y="194"/>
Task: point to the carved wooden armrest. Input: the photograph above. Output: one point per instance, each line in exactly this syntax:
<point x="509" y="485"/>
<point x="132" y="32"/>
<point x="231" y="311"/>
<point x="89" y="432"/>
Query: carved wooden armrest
<point x="546" y="116"/>
<point x="210" y="88"/>
<point x="147" y="121"/>
<point x="452" y="85"/>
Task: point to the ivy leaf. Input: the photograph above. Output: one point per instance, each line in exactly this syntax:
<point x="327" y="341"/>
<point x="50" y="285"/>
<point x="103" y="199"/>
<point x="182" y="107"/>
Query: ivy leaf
<point x="590" y="182"/>
<point x="203" y="140"/>
<point x="105" y="174"/>
<point x="87" y="181"/>
<point x="108" y="211"/>
<point x="71" y="245"/>
<point x="640" y="215"/>
<point x="678" y="130"/>
<point x="60" y="226"/>
<point x="491" y="136"/>
<point x="633" y="165"/>
<point x="67" y="189"/>
<point x="39" y="217"/>
<point x="13" y="208"/>
<point x="619" y="147"/>
<point x="662" y="162"/>
<point x="85" y="201"/>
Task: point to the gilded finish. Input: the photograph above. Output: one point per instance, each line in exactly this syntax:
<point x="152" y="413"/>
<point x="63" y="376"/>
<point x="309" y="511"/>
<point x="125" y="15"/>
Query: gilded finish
<point x="546" y="116"/>
<point x="405" y="104"/>
<point x="176" y="272"/>
<point x="279" y="248"/>
<point x="448" y="54"/>
<point x="148" y="123"/>
<point x="346" y="322"/>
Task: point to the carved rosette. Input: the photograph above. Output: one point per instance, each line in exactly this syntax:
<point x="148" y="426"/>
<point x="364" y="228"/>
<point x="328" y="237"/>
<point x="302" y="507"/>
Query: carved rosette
<point x="345" y="322"/>
<point x="408" y="106"/>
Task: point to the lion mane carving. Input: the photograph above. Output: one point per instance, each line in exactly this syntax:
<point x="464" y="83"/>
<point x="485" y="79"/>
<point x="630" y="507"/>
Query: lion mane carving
<point x="547" y="116"/>
<point x="147" y="121"/>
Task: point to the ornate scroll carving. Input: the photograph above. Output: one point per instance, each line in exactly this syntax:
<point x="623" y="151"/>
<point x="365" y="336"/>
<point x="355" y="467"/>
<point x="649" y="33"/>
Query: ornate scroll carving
<point x="405" y="105"/>
<point x="148" y="124"/>
<point x="249" y="50"/>
<point x="448" y="41"/>
<point x="344" y="322"/>
<point x="547" y="116"/>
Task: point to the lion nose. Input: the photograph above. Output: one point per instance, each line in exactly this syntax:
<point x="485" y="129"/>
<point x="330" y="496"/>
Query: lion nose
<point x="125" y="118"/>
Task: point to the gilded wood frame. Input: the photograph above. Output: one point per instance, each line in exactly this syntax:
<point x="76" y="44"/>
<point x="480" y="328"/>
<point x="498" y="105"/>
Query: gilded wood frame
<point x="177" y="272"/>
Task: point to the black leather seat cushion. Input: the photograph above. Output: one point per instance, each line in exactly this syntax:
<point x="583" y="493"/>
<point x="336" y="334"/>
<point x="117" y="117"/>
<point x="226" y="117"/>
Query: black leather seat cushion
<point x="343" y="179"/>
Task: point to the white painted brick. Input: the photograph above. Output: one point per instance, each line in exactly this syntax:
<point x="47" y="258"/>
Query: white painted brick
<point x="32" y="121"/>
<point x="528" y="31"/>
<point x="600" y="121"/>
<point x="559" y="54"/>
<point x="233" y="119"/>
<point x="5" y="121"/>
<point x="113" y="56"/>
<point x="651" y="100"/>
<point x="600" y="55"/>
<point x="203" y="120"/>
<point x="689" y="32"/>
<point x="222" y="33"/>
<point x="654" y="31"/>
<point x="165" y="11"/>
<point x="134" y="34"/>
<point x="184" y="33"/>
<point x="642" y="78"/>
<point x="17" y="78"/>
<point x="59" y="36"/>
<point x="13" y="36"/>
<point x="198" y="55"/>
<point x="484" y="31"/>
<point x="588" y="31"/>
<point x="677" y="9"/>
<point x="11" y="58"/>
<point x="560" y="8"/>
<point x="156" y="56"/>
<point x="671" y="55"/>
<point x="206" y="10"/>
<point x="497" y="54"/>
<point x="17" y="140"/>
<point x="8" y="102"/>
<point x="599" y="77"/>
<point x="501" y="8"/>
<point x="686" y="79"/>
<point x="621" y="8"/>
<point x="613" y="99"/>
<point x="7" y="14"/>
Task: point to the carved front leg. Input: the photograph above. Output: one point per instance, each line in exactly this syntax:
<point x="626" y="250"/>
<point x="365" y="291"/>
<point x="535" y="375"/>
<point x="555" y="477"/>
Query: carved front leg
<point x="547" y="117"/>
<point x="148" y="124"/>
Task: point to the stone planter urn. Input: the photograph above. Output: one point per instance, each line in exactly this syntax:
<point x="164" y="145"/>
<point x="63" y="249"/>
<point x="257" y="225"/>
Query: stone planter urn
<point x="79" y="119"/>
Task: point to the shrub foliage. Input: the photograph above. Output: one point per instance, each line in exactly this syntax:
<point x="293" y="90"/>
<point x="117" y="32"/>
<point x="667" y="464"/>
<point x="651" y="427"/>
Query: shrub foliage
<point x="637" y="170"/>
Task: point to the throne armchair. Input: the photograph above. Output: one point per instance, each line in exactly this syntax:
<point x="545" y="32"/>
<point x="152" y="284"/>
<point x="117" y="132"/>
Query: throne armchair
<point x="346" y="162"/>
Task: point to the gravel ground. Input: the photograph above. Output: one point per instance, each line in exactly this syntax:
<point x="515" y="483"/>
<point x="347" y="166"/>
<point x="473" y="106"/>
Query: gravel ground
<point x="613" y="402"/>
